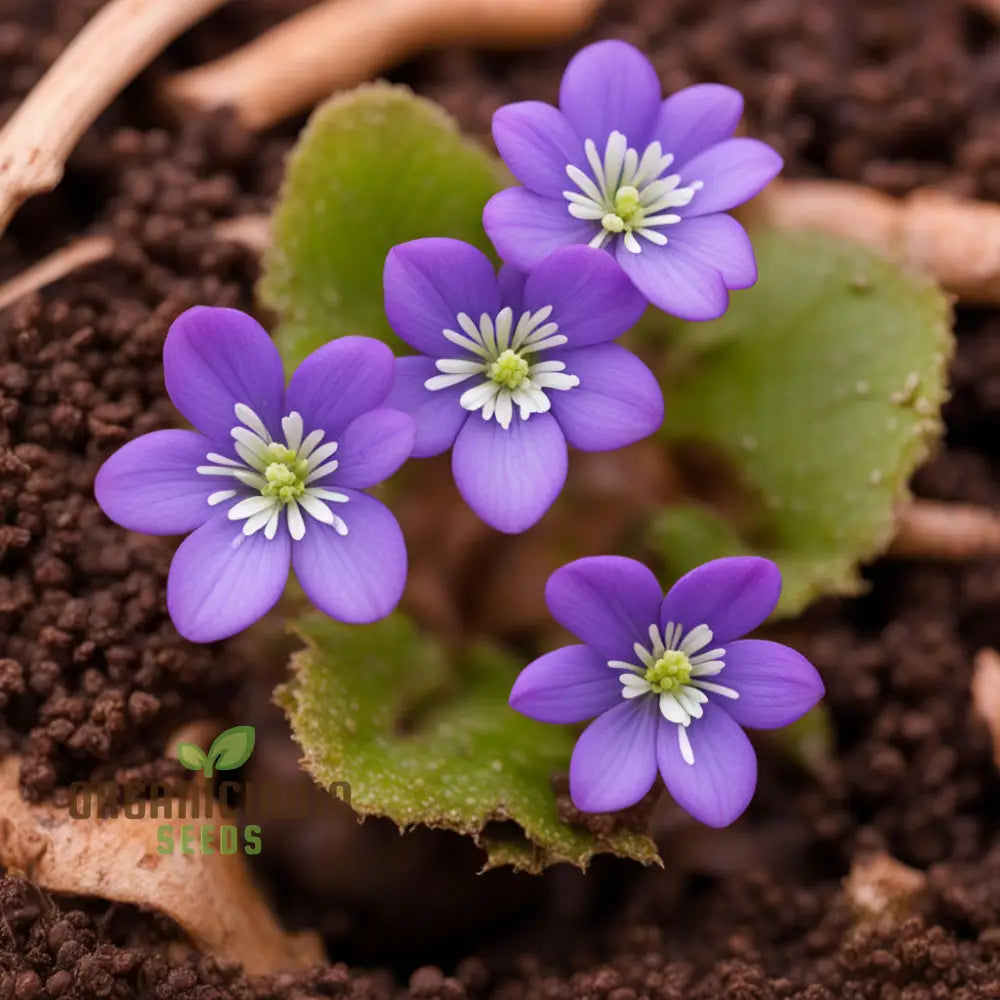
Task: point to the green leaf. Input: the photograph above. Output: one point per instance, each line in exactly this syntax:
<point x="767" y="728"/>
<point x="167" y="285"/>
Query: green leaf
<point x="191" y="756"/>
<point x="374" y="167"/>
<point x="424" y="740"/>
<point x="231" y="749"/>
<point x="820" y="390"/>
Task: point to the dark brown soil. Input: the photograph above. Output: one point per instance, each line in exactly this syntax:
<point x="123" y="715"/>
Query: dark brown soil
<point x="93" y="679"/>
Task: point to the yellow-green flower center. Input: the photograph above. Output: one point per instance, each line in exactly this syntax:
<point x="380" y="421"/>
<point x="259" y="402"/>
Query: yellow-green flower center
<point x="509" y="369"/>
<point x="670" y="672"/>
<point x="628" y="213"/>
<point x="285" y="473"/>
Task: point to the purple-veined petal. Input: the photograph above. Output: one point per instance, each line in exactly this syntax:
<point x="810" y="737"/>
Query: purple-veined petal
<point x="592" y="300"/>
<point x="216" y="358"/>
<point x="718" y="786"/>
<point x="614" y="762"/>
<point x="373" y="447"/>
<point x="438" y="415"/>
<point x="150" y="484"/>
<point x="675" y="282"/>
<point x="617" y="402"/>
<point x="537" y="143"/>
<point x="428" y="282"/>
<point x="717" y="241"/>
<point x="695" y="118"/>
<point x="340" y="381"/>
<point x="732" y="172"/>
<point x="610" y="86"/>
<point x="567" y="685"/>
<point x="358" y="577"/>
<point x="732" y="596"/>
<point x="512" y="282"/>
<point x="776" y="685"/>
<point x="510" y="477"/>
<point x="222" y="581"/>
<point x="526" y="227"/>
<point x="609" y="602"/>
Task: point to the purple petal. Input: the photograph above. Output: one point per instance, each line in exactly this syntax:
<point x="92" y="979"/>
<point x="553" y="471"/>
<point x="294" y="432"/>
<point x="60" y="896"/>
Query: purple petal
<point x="150" y="484"/>
<point x="719" y="242"/>
<point x="776" y="685"/>
<point x="675" y="282"/>
<point x="526" y="227"/>
<point x="373" y="447"/>
<point x="510" y="477"/>
<point x="614" y="761"/>
<point x="719" y="785"/>
<point x="732" y="172"/>
<point x="695" y="118"/>
<point x="610" y="86"/>
<point x="567" y="685"/>
<point x="732" y="596"/>
<point x="216" y="358"/>
<point x="607" y="601"/>
<point x="617" y="402"/>
<point x="340" y="381"/>
<point x="537" y="143"/>
<point x="512" y="282"/>
<point x="592" y="300"/>
<point x="221" y="581"/>
<point x="357" y="577"/>
<point x="438" y="415"/>
<point x="428" y="283"/>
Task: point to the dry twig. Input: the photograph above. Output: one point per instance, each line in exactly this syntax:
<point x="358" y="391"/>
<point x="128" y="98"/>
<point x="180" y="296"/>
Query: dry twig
<point x="250" y="231"/>
<point x="341" y="43"/>
<point x="121" y="39"/>
<point x="929" y="529"/>
<point x="954" y="240"/>
<point x="211" y="896"/>
<point x="88" y="250"/>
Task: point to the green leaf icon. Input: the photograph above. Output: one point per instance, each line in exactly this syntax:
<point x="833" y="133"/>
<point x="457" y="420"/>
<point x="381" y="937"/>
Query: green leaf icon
<point x="191" y="756"/>
<point x="232" y="748"/>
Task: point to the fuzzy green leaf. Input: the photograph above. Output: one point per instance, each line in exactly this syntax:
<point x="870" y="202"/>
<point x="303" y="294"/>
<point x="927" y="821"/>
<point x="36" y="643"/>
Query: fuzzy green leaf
<point x="423" y="740"/>
<point x="820" y="393"/>
<point x="374" y="167"/>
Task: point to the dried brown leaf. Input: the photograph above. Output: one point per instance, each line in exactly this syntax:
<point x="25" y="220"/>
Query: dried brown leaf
<point x="210" y="896"/>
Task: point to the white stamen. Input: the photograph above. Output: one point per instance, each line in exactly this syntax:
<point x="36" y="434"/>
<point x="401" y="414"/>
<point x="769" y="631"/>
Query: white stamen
<point x="293" y="428"/>
<point x="670" y="667"/>
<point x="323" y="470"/>
<point x="685" y="744"/>
<point x="276" y="477"/>
<point x="247" y="416"/>
<point x="502" y="371"/>
<point x="627" y="194"/>
<point x="719" y="689"/>
<point x="249" y="507"/>
<point x="296" y="525"/>
<point x="321" y="454"/>
<point x="698" y="638"/>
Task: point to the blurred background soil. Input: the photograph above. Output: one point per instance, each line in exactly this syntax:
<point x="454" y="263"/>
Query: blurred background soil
<point x="93" y="678"/>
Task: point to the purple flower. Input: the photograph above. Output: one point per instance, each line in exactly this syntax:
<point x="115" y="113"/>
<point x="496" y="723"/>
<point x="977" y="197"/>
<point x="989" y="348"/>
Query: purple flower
<point x="616" y="166"/>
<point x="257" y="483"/>
<point x="516" y="367"/>
<point x="670" y="681"/>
